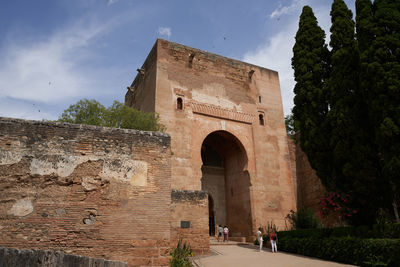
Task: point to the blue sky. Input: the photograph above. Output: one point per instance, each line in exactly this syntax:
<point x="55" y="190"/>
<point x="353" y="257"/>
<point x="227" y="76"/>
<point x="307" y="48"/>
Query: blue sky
<point x="55" y="52"/>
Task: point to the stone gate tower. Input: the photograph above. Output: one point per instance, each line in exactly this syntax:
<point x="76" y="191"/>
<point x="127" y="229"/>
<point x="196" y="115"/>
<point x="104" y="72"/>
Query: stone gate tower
<point x="228" y="137"/>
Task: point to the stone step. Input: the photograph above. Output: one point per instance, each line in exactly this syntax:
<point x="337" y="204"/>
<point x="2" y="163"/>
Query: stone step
<point x="232" y="241"/>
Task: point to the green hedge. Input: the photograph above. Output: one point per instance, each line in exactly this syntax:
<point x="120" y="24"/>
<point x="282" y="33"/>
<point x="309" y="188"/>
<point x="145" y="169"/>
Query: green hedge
<point x="391" y="231"/>
<point x="352" y="250"/>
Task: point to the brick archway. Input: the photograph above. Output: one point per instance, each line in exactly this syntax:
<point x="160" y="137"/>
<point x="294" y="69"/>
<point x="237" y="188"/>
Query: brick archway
<point x="225" y="178"/>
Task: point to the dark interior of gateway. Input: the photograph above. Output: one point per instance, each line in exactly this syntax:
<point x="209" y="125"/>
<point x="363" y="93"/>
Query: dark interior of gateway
<point x="226" y="180"/>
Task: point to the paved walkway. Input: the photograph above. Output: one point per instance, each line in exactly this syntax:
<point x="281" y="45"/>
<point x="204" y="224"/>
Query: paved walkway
<point x="239" y="255"/>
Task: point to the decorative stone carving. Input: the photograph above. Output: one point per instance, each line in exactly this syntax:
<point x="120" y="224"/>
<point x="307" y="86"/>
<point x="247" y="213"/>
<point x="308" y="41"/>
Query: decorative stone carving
<point x="215" y="111"/>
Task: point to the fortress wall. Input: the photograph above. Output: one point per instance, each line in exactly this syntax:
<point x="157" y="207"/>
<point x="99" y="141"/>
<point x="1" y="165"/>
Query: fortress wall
<point x="309" y="187"/>
<point x="292" y="158"/>
<point x="227" y="95"/>
<point x="40" y="258"/>
<point x="85" y="190"/>
<point x="141" y="93"/>
<point x="192" y="207"/>
<point x="222" y="94"/>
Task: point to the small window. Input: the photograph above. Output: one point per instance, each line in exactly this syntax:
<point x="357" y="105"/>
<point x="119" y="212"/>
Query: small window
<point x="259" y="99"/>
<point x="179" y="103"/>
<point x="261" y="119"/>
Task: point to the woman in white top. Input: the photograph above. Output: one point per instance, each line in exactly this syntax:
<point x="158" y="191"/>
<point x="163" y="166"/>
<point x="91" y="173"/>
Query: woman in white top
<point x="260" y="238"/>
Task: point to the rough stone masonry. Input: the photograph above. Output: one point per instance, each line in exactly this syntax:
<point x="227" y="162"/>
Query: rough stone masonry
<point x="85" y="190"/>
<point x="228" y="137"/>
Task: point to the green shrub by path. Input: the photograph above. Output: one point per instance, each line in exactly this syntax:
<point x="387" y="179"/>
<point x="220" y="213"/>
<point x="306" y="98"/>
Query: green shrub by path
<point x="390" y="231"/>
<point x="304" y="218"/>
<point x="352" y="250"/>
<point x="180" y="255"/>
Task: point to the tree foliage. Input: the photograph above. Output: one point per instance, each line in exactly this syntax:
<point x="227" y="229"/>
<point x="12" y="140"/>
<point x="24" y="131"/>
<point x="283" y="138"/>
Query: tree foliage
<point x="304" y="218"/>
<point x="347" y="103"/>
<point x="354" y="157"/>
<point x="118" y="116"/>
<point x="289" y="124"/>
<point x="382" y="60"/>
<point x="310" y="64"/>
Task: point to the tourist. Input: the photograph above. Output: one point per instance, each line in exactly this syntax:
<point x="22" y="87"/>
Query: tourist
<point x="226" y="233"/>
<point x="273" y="237"/>
<point x="260" y="238"/>
<point x="220" y="231"/>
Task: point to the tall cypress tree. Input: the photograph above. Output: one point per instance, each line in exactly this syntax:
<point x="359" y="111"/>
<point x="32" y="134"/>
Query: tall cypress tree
<point x="383" y="70"/>
<point x="353" y="170"/>
<point x="342" y="85"/>
<point x="310" y="64"/>
<point x="364" y="25"/>
<point x="348" y="114"/>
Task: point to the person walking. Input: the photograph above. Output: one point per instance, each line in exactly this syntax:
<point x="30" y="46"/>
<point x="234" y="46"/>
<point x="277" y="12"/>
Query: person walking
<point x="260" y="238"/>
<point x="220" y="232"/>
<point x="273" y="238"/>
<point x="226" y="233"/>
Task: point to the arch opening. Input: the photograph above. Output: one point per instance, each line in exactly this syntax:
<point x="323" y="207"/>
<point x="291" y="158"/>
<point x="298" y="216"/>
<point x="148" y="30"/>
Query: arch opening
<point x="225" y="178"/>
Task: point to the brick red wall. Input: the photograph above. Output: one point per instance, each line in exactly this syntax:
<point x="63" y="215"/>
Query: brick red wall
<point x="141" y="93"/>
<point x="190" y="206"/>
<point x="309" y="186"/>
<point x="292" y="157"/>
<point x="30" y="258"/>
<point x="86" y="190"/>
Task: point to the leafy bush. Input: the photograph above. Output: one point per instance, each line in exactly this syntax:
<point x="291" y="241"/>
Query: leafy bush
<point x="180" y="255"/>
<point x="390" y="231"/>
<point x="304" y="218"/>
<point x="303" y="233"/>
<point x="352" y="250"/>
<point x="336" y="202"/>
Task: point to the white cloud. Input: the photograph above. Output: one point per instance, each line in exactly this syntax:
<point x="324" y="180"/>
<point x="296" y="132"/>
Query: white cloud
<point x="111" y="2"/>
<point x="276" y="52"/>
<point x="289" y="9"/>
<point x="164" y="31"/>
<point x="41" y="77"/>
<point x="50" y="70"/>
<point x="22" y="109"/>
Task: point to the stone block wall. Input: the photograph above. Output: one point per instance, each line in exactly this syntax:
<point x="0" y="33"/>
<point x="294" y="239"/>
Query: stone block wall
<point x="292" y="158"/>
<point x="190" y="206"/>
<point x="85" y="190"/>
<point x="219" y="94"/>
<point x="11" y="257"/>
<point x="309" y="187"/>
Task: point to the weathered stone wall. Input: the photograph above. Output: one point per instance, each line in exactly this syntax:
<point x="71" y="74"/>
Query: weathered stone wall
<point x="213" y="182"/>
<point x="292" y="160"/>
<point x="222" y="94"/>
<point x="49" y="258"/>
<point x="86" y="190"/>
<point x="192" y="207"/>
<point x="309" y="187"/>
<point x="141" y="93"/>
